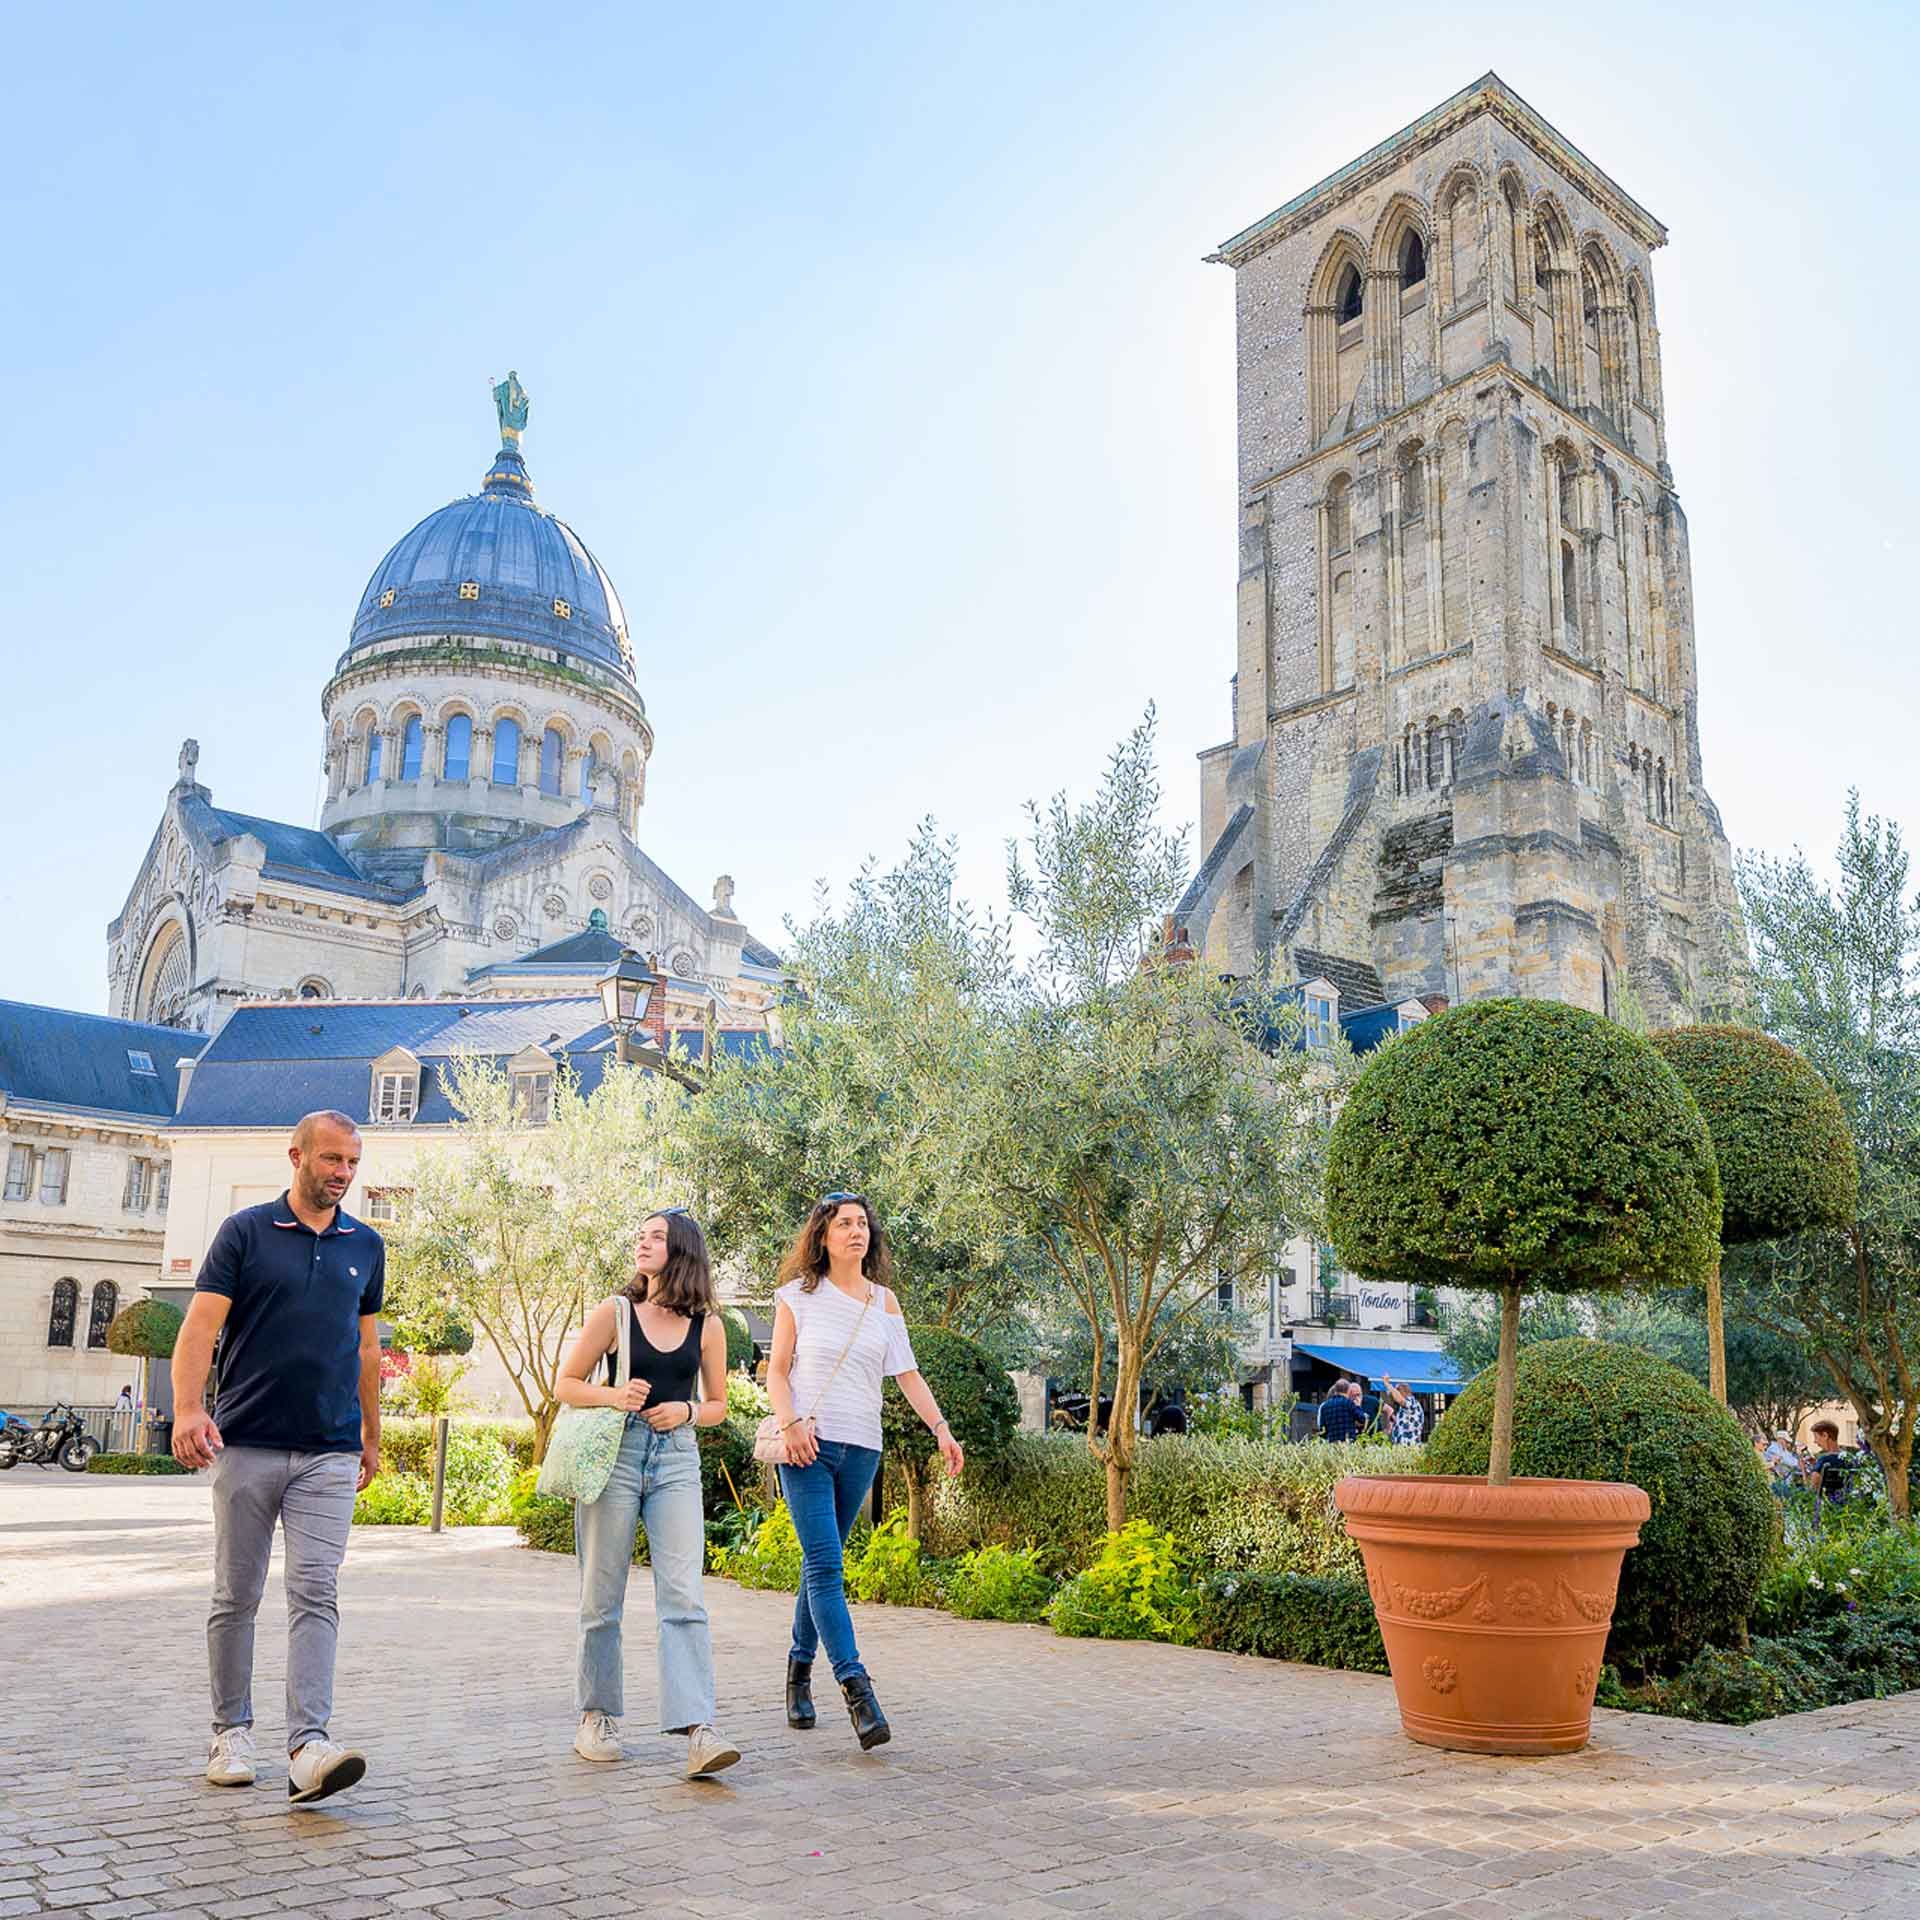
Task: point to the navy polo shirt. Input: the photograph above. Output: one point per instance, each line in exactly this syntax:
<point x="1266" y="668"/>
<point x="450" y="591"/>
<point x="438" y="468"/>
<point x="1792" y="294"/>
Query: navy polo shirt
<point x="290" y="1350"/>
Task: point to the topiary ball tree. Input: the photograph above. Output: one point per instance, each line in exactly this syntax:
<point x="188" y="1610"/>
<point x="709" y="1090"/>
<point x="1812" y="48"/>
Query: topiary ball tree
<point x="1509" y="1145"/>
<point x="1590" y="1410"/>
<point x="975" y="1395"/>
<point x="739" y="1339"/>
<point x="146" y="1330"/>
<point x="1785" y="1153"/>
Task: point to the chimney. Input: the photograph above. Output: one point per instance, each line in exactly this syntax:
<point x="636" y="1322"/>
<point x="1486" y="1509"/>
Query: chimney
<point x="184" y="1067"/>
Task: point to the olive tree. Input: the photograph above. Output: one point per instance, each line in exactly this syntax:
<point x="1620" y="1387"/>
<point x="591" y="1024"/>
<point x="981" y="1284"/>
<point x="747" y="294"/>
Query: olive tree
<point x="1513" y="1145"/>
<point x="517" y="1229"/>
<point x="1836" y="975"/>
<point x="1780" y="1140"/>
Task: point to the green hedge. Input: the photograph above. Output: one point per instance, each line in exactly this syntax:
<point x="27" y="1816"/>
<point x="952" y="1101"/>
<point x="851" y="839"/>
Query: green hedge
<point x="406" y="1441"/>
<point x="1325" y="1620"/>
<point x="1850" y="1656"/>
<point x="1591" y="1410"/>
<point x="1232" y="1504"/>
<point x="135" y="1463"/>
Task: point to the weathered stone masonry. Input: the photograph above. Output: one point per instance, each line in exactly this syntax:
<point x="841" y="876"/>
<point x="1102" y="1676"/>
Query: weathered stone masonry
<point x="1466" y="741"/>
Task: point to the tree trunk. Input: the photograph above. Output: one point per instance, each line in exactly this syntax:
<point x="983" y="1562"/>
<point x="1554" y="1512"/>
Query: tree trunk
<point x="1716" y="1334"/>
<point x="544" y="1416"/>
<point x="1118" y="1472"/>
<point x="1896" y="1462"/>
<point x="911" y="1471"/>
<point x="1500" y="1455"/>
<point x="1123" y="1432"/>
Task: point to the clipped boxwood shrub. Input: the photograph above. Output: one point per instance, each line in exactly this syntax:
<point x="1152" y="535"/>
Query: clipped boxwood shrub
<point x="1231" y="1502"/>
<point x="739" y="1339"/>
<point x="135" y="1463"/>
<point x="1786" y="1157"/>
<point x="1323" y="1620"/>
<point x="1589" y="1410"/>
<point x="975" y="1394"/>
<point x="1516" y="1146"/>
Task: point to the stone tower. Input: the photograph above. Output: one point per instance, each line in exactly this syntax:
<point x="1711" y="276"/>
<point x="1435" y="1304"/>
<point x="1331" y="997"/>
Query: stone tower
<point x="1465" y="754"/>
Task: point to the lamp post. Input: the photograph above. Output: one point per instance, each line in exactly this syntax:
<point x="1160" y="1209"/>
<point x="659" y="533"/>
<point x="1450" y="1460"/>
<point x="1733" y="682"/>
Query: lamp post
<point x="626" y="995"/>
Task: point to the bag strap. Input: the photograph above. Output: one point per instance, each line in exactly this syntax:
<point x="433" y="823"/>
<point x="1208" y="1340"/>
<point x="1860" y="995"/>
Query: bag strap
<point x="621" y="1349"/>
<point x="844" y="1351"/>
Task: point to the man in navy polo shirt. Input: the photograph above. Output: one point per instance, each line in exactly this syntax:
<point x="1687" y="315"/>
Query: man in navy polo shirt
<point x="291" y="1290"/>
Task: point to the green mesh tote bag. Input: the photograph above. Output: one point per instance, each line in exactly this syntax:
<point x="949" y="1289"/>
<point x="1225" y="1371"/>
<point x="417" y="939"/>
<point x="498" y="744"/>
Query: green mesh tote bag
<point x="585" y="1441"/>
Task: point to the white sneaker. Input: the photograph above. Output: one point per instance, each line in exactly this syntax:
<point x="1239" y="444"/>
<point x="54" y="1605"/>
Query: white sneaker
<point x="597" y="1737"/>
<point x="230" y="1758"/>
<point x="708" y="1752"/>
<point x="319" y="1769"/>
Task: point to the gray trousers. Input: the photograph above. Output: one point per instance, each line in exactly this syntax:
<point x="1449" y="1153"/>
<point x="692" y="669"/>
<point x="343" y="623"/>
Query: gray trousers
<point x="311" y="1496"/>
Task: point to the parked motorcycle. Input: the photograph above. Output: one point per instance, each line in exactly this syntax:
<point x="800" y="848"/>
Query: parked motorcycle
<point x="61" y="1439"/>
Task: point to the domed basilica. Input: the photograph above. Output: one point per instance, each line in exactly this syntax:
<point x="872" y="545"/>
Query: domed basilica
<point x="486" y="757"/>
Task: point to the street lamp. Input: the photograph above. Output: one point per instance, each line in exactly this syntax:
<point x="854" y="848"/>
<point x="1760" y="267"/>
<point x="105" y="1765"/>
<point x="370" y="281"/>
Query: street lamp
<point x="626" y="992"/>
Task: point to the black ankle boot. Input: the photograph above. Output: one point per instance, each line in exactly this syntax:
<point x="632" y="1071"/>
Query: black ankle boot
<point x="800" y="1693"/>
<point x="869" y="1723"/>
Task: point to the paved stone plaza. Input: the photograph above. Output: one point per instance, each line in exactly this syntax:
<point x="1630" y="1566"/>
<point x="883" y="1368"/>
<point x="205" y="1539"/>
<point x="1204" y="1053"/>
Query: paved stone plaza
<point x="1029" y="1776"/>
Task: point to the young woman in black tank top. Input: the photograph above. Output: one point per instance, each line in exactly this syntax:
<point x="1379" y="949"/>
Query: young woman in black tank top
<point x="677" y="1380"/>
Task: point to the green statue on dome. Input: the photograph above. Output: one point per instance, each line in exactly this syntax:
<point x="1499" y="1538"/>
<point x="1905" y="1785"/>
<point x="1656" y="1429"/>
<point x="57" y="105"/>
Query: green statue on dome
<point x="510" y="403"/>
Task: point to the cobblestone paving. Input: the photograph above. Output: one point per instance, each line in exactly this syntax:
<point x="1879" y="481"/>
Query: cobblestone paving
<point x="1028" y="1777"/>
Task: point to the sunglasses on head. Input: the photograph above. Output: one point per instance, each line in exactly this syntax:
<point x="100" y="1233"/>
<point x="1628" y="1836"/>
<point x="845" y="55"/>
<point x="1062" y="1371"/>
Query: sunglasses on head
<point x="840" y="1199"/>
<point x="667" y="1213"/>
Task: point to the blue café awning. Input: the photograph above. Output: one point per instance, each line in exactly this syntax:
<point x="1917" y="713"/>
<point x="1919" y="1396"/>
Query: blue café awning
<point x="1424" y="1372"/>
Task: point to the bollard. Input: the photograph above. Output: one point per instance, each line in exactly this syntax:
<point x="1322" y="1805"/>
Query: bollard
<point x="439" y="1468"/>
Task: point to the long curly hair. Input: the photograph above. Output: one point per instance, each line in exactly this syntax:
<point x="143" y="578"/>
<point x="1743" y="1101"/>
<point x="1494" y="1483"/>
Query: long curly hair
<point x="685" y="1284"/>
<point x="806" y="1260"/>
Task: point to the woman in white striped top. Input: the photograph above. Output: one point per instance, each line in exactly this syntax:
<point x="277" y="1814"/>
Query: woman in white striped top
<point x="837" y="1332"/>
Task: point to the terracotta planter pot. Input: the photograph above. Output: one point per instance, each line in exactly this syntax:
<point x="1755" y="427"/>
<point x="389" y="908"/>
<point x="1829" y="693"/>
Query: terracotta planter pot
<point x="1494" y="1602"/>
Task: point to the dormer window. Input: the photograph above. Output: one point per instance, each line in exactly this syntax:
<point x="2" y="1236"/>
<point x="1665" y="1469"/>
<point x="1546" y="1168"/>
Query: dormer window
<point x="396" y="1088"/>
<point x="139" y="1060"/>
<point x="1409" y="1013"/>
<point x="563" y="609"/>
<point x="469" y="589"/>
<point x="1322" y="1000"/>
<point x="533" y="1097"/>
<point x="530" y="1078"/>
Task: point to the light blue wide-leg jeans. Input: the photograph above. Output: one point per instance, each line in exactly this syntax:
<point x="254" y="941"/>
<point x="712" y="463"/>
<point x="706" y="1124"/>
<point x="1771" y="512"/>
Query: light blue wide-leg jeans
<point x="655" y="1483"/>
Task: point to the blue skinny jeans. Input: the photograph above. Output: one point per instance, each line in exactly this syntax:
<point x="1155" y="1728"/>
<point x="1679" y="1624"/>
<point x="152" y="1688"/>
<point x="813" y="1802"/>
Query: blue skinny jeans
<point x="825" y="1500"/>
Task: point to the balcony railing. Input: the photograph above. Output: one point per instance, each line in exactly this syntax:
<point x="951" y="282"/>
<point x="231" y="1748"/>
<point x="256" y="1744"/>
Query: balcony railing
<point x="1333" y="1309"/>
<point x="1427" y="1317"/>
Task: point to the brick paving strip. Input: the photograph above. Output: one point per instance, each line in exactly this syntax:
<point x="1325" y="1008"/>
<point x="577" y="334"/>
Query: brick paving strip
<point x="1029" y="1776"/>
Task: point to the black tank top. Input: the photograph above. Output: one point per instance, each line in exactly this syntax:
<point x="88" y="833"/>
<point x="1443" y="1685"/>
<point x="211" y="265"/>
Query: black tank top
<point x="673" y="1375"/>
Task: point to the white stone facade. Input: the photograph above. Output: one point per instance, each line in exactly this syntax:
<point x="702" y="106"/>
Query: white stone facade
<point x="87" y="1229"/>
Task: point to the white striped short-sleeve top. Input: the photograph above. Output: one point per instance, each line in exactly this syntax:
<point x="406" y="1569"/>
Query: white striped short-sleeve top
<point x="825" y="1320"/>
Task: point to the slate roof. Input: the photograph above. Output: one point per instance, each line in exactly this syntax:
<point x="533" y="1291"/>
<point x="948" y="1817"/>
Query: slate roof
<point x="78" y="1061"/>
<point x="1357" y="984"/>
<point x="272" y="1063"/>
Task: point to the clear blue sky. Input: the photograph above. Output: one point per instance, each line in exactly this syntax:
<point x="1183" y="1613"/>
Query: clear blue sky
<point x="872" y="351"/>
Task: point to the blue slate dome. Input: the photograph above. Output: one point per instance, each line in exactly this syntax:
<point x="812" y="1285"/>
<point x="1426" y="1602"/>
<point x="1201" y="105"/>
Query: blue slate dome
<point x="496" y="566"/>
